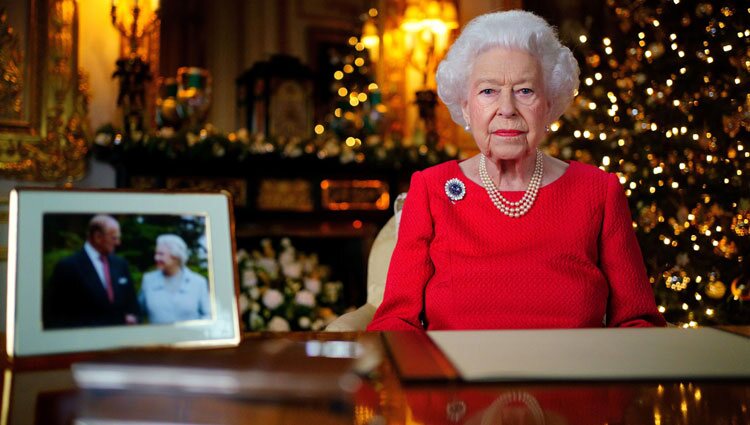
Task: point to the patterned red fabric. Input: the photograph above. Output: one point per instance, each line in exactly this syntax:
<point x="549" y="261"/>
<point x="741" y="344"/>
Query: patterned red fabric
<point x="569" y="262"/>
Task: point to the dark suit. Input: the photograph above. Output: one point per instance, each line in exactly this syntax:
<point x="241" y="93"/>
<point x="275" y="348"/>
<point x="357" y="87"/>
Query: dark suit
<point x="76" y="297"/>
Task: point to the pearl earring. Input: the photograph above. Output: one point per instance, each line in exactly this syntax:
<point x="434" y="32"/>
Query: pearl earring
<point x="467" y="128"/>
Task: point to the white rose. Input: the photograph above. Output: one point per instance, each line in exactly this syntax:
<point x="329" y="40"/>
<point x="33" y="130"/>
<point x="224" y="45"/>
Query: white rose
<point x="249" y="278"/>
<point x="242" y="255"/>
<point x="269" y="265"/>
<point x="287" y="256"/>
<point x="304" y="322"/>
<point x="305" y="298"/>
<point x="292" y="270"/>
<point x="332" y="290"/>
<point x="317" y="325"/>
<point x="254" y="292"/>
<point x="312" y="285"/>
<point x="310" y="263"/>
<point x="244" y="303"/>
<point x="273" y="299"/>
<point x="278" y="324"/>
<point x="255" y="307"/>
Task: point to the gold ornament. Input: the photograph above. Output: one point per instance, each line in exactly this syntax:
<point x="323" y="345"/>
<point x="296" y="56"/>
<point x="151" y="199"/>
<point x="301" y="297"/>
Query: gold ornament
<point x="716" y="290"/>
<point x="676" y="279"/>
<point x="703" y="218"/>
<point x="682" y="213"/>
<point x="649" y="217"/>
<point x="741" y="223"/>
<point x="704" y="9"/>
<point x="657" y="49"/>
<point x="677" y="225"/>
<point x="741" y="289"/>
<point x="726" y="248"/>
<point x="733" y="123"/>
<point x="594" y="60"/>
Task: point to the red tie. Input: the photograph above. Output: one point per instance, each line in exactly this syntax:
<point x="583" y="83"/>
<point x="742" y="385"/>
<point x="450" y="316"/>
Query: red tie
<point x="107" y="278"/>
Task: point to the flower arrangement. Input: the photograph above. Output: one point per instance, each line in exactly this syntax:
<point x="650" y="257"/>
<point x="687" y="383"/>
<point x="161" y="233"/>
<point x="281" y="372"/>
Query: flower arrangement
<point x="290" y="291"/>
<point x="208" y="142"/>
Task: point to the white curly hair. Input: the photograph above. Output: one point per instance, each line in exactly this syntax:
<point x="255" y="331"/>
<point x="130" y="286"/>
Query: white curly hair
<point x="515" y="29"/>
<point x="175" y="245"/>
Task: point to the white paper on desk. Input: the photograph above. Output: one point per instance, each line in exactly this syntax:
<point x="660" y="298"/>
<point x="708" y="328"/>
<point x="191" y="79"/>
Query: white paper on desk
<point x="595" y="354"/>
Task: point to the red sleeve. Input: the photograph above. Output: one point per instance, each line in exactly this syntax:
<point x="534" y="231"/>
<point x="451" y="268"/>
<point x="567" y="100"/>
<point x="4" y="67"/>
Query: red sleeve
<point x="631" y="299"/>
<point x="411" y="266"/>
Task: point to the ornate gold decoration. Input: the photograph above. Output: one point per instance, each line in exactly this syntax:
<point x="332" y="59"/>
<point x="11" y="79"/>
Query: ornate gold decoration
<point x="359" y="195"/>
<point x="48" y="142"/>
<point x="285" y="195"/>
<point x="11" y="77"/>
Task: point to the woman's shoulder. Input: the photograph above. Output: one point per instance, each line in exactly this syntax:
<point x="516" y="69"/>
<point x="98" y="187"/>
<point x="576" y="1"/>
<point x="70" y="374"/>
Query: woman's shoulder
<point x="590" y="175"/>
<point x="192" y="276"/>
<point x="441" y="170"/>
<point x="589" y="171"/>
<point x="591" y="182"/>
<point x="150" y="278"/>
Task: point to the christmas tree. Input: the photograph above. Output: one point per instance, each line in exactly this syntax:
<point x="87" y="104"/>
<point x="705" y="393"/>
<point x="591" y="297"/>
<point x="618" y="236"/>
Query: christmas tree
<point x="357" y="109"/>
<point x="665" y="103"/>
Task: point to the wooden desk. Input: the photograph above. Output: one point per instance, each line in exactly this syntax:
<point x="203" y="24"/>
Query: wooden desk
<point x="39" y="395"/>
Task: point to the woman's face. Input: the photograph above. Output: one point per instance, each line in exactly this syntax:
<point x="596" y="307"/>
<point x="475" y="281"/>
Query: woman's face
<point x="165" y="261"/>
<point x="506" y="106"/>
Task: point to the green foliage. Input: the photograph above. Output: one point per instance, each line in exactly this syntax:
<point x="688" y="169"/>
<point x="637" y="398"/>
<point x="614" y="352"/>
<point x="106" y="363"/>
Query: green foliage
<point x="66" y="233"/>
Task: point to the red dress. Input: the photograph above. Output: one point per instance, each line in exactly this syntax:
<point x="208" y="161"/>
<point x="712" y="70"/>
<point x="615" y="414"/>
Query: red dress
<point x="572" y="261"/>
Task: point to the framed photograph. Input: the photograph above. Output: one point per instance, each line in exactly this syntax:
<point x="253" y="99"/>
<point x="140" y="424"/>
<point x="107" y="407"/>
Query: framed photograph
<point x="98" y="270"/>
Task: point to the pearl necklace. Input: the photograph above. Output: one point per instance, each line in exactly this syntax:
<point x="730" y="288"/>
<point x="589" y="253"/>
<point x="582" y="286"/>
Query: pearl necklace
<point x="523" y="205"/>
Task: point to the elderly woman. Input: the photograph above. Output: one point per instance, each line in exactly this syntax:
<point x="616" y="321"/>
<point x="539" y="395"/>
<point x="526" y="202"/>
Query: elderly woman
<point x="513" y="238"/>
<point x="172" y="292"/>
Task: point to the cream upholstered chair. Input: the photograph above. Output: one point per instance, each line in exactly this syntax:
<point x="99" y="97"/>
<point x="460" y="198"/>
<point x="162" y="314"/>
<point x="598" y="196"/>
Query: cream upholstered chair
<point x="377" y="271"/>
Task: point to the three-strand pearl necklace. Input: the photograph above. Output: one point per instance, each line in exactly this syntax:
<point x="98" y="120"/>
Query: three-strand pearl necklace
<point x="523" y="205"/>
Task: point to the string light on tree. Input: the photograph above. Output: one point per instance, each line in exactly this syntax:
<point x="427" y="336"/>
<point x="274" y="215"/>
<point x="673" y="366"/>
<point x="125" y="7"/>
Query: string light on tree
<point x="676" y="139"/>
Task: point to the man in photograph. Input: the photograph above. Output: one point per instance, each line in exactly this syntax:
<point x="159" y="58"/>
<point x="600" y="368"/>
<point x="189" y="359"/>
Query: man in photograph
<point x="92" y="287"/>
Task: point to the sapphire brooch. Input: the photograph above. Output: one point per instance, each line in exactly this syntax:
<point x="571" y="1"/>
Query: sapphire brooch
<point x="455" y="189"/>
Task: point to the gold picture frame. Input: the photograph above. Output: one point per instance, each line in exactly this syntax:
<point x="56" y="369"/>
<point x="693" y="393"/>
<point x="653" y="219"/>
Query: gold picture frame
<point x="43" y="119"/>
<point x="49" y="279"/>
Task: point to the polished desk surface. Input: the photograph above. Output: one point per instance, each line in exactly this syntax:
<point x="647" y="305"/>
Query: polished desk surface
<point x="42" y="391"/>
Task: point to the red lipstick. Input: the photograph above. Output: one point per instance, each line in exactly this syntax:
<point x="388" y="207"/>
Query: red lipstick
<point x="507" y="133"/>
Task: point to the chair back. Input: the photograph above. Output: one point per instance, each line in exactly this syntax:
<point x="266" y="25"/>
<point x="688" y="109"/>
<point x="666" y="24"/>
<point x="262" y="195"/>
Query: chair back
<point x="380" y="254"/>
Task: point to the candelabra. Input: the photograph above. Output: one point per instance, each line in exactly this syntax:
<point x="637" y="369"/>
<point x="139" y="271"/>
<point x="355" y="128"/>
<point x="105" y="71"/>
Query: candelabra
<point x="135" y="21"/>
<point x="427" y="26"/>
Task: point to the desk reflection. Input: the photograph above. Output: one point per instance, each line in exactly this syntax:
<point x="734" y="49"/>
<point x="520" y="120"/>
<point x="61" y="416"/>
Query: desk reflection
<point x="580" y="404"/>
<point x="51" y="397"/>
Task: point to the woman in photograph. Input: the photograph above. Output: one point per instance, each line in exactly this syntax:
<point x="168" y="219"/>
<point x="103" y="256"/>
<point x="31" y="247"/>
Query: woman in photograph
<point x="513" y="238"/>
<point x="173" y="292"/>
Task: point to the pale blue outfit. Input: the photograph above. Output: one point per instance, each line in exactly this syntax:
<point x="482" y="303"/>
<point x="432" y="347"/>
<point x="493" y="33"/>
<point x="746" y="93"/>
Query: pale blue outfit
<point x="190" y="301"/>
